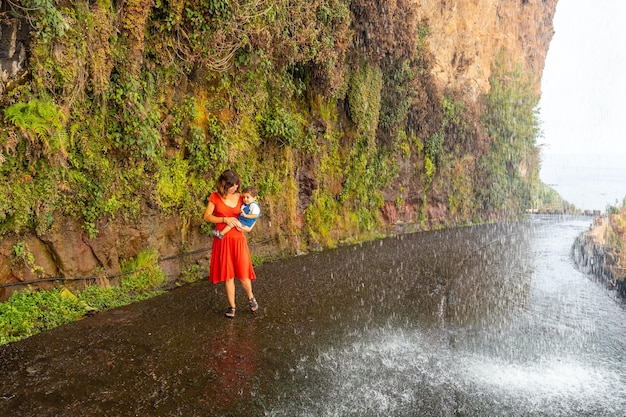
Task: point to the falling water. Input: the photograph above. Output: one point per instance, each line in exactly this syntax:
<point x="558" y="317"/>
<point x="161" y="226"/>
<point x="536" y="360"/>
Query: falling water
<point x="491" y="320"/>
<point x="516" y="331"/>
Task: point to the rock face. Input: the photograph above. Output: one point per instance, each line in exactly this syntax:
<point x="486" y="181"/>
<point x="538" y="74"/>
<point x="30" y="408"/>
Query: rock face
<point x="465" y="36"/>
<point x="13" y="44"/>
<point x="596" y="257"/>
<point x="66" y="251"/>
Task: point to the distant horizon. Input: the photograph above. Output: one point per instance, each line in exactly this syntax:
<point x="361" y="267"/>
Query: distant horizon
<point x="590" y="182"/>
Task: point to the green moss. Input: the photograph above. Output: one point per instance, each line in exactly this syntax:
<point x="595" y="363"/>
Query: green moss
<point x="429" y="170"/>
<point x="322" y="219"/>
<point x="364" y="98"/>
<point x="142" y="272"/>
<point x="279" y="127"/>
<point x="171" y="187"/>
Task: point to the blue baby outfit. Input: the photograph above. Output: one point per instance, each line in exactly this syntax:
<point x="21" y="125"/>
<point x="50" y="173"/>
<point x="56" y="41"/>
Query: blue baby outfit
<point x="248" y="209"/>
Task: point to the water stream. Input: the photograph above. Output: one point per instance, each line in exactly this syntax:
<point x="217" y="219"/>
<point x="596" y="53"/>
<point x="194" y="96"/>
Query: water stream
<point x="480" y="321"/>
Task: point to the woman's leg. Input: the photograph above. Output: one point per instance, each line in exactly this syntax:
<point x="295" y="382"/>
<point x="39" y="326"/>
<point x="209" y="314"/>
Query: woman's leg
<point x="229" y="286"/>
<point x="246" y="284"/>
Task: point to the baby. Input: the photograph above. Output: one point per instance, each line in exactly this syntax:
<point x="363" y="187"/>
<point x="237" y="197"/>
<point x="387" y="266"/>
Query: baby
<point x="250" y="211"/>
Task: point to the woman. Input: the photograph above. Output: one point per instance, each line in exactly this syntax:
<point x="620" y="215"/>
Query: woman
<point x="230" y="256"/>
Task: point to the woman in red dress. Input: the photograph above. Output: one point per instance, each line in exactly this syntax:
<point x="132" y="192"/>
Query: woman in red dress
<point x="230" y="256"/>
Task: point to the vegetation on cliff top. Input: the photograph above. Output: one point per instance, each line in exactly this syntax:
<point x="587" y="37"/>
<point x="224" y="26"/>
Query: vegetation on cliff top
<point x="616" y="236"/>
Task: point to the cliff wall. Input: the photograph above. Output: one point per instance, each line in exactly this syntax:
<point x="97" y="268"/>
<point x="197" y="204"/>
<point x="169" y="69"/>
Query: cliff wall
<point x="466" y="37"/>
<point x="360" y="143"/>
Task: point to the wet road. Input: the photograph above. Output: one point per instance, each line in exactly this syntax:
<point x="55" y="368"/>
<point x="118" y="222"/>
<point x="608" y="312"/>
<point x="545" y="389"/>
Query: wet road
<point x="402" y="311"/>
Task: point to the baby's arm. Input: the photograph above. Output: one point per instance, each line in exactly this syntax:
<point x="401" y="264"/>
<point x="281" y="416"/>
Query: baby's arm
<point x="255" y="211"/>
<point x="249" y="216"/>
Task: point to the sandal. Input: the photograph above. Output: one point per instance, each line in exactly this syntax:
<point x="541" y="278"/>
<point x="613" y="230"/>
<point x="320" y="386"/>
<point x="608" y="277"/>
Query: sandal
<point x="254" y="306"/>
<point x="230" y="313"/>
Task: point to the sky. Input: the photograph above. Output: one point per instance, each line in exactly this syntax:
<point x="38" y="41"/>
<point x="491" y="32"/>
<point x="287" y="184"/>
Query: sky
<point x="583" y="104"/>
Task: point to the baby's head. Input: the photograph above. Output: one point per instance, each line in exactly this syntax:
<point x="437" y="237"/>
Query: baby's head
<point x="249" y="194"/>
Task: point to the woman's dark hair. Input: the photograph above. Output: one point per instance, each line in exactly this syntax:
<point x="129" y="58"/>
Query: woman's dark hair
<point x="227" y="180"/>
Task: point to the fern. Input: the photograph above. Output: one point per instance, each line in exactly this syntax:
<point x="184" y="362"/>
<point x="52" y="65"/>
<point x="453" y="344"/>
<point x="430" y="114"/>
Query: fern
<point x="42" y="122"/>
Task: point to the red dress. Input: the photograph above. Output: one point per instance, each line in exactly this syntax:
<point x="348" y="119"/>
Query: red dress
<point x="230" y="256"/>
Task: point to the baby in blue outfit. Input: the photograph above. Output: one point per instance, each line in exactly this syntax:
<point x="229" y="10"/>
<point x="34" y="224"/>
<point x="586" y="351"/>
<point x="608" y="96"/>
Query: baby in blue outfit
<point x="250" y="211"/>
